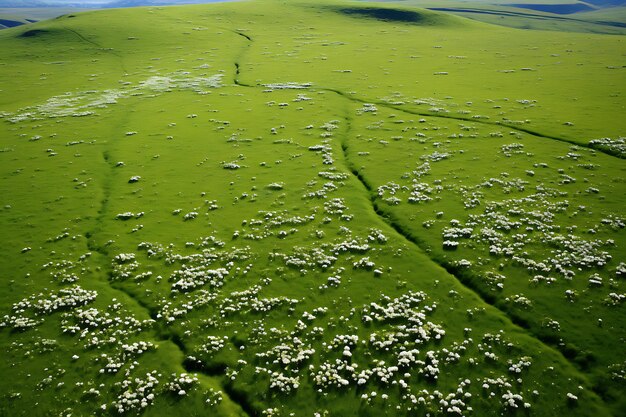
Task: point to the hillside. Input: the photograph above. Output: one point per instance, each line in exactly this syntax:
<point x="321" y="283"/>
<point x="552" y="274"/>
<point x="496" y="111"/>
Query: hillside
<point x="559" y="16"/>
<point x="310" y="208"/>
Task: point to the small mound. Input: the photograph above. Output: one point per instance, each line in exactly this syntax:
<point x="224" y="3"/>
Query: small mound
<point x="33" y="33"/>
<point x="389" y="15"/>
<point x="65" y="16"/>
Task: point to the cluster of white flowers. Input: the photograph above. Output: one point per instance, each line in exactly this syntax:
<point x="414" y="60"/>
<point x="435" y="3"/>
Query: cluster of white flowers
<point x="520" y="365"/>
<point x="512" y="149"/>
<point x="539" y="279"/>
<point x="136" y="393"/>
<point x="337" y="373"/>
<point x="240" y="302"/>
<point x="390" y="189"/>
<point x="436" y="156"/>
<point x="70" y="104"/>
<point x="280" y="381"/>
<point x="336" y="206"/>
<point x="292" y="353"/>
<point x="137" y="348"/>
<point x="456" y="402"/>
<point x="129" y="215"/>
<point x="288" y="86"/>
<point x="595" y="280"/>
<point x="301" y="97"/>
<point x="510" y="227"/>
<point x="614" y="299"/>
<point x="231" y="165"/>
<point x="614" y="222"/>
<point x="25" y="313"/>
<point x="213" y="344"/>
<point x="510" y="400"/>
<point x="551" y="324"/>
<point x="181" y="81"/>
<point x="367" y="108"/>
<point x="213" y="398"/>
<point x="97" y="328"/>
<point x="326" y="255"/>
<point x="494" y="280"/>
<point x="171" y="311"/>
<point x="124" y="258"/>
<point x="263" y="227"/>
<point x="618" y="371"/>
<point x="123" y="266"/>
<point x="519" y="300"/>
<point x="421" y="191"/>
<point x="276" y="186"/>
<point x="322" y="193"/>
<point x="614" y="146"/>
<point x="19" y="322"/>
<point x="65" y="271"/>
<point x="307" y="258"/>
<point x="325" y="150"/>
<point x="451" y="235"/>
<point x="181" y="384"/>
<point x="189" y="278"/>
<point x="333" y="175"/>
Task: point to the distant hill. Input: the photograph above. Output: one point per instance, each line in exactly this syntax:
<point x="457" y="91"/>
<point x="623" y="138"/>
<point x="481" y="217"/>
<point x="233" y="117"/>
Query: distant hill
<point x="96" y="3"/>
<point x="50" y="3"/>
<point x="571" y="8"/>
<point x="25" y="3"/>
<point x="556" y="8"/>
<point x="606" y="3"/>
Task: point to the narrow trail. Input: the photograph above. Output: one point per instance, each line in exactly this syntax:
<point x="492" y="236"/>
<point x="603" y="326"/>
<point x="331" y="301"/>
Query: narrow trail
<point x="243" y="51"/>
<point x="98" y="224"/>
<point x="102" y="48"/>
<point x="81" y="37"/>
<point x="102" y="210"/>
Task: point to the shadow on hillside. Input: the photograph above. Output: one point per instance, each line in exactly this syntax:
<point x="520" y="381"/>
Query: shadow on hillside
<point x="33" y="33"/>
<point x="393" y="15"/>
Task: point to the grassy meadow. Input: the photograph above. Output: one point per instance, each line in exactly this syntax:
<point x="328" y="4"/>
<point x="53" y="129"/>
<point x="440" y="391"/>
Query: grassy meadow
<point x="310" y="208"/>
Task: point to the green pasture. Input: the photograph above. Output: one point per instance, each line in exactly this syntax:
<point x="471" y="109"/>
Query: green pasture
<point x="268" y="208"/>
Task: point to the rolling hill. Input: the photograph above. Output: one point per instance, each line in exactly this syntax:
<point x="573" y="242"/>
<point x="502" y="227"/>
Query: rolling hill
<point x="270" y="208"/>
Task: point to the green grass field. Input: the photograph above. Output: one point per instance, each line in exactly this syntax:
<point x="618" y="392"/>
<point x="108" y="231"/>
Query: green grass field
<point x="268" y="208"/>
